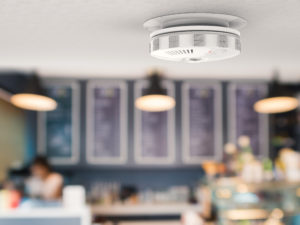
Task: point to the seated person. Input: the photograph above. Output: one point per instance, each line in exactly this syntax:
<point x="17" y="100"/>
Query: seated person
<point x="44" y="183"/>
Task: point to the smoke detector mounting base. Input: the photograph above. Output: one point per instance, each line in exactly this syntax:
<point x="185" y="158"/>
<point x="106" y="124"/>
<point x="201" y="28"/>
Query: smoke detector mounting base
<point x="195" y="37"/>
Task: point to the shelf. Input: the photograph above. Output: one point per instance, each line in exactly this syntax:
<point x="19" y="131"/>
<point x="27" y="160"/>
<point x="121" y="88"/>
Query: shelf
<point x="265" y="185"/>
<point x="236" y="200"/>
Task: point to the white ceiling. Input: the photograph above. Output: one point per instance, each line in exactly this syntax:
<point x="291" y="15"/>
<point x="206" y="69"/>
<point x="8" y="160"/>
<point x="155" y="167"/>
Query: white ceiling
<point x="105" y="38"/>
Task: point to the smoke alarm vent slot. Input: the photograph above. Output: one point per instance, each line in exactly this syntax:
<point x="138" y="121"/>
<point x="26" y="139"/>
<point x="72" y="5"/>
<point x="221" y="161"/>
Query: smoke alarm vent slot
<point x="173" y="41"/>
<point x="180" y="52"/>
<point x="223" y="42"/>
<point x="155" y="44"/>
<point x="199" y="40"/>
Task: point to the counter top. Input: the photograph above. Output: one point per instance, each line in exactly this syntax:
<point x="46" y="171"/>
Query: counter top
<point x="57" y="215"/>
<point x="43" y="212"/>
<point x="144" y="209"/>
<point x="151" y="223"/>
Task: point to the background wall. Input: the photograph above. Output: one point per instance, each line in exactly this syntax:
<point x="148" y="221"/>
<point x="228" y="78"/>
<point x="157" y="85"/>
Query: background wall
<point x="177" y="173"/>
<point x="284" y="125"/>
<point x="13" y="82"/>
<point x="12" y="137"/>
<point x="141" y="176"/>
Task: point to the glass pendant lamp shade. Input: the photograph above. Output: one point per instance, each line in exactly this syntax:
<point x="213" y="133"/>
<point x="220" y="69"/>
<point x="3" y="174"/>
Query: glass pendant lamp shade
<point x="155" y="98"/>
<point x="33" y="97"/>
<point x="276" y="105"/>
<point x="279" y="100"/>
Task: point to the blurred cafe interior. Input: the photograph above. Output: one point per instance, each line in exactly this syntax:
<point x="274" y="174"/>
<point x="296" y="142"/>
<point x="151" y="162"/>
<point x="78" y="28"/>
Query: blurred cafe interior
<point x="144" y="112"/>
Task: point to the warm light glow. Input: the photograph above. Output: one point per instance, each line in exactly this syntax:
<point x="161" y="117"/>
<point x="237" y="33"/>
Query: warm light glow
<point x="277" y="214"/>
<point x="246" y="214"/>
<point x="298" y="192"/>
<point x="230" y="149"/>
<point x="210" y="167"/>
<point x="223" y="193"/>
<point x="242" y="188"/>
<point x="155" y="103"/>
<point x="276" y="105"/>
<point x="33" y="102"/>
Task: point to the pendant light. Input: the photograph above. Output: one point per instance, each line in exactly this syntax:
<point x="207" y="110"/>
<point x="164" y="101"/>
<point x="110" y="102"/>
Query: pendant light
<point x="155" y="98"/>
<point x="33" y="97"/>
<point x="279" y="99"/>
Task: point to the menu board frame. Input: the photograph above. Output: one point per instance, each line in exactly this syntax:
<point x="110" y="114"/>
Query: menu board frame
<point x="263" y="118"/>
<point x="218" y="124"/>
<point x="138" y="158"/>
<point x="298" y="121"/>
<point x="42" y="118"/>
<point x="90" y="122"/>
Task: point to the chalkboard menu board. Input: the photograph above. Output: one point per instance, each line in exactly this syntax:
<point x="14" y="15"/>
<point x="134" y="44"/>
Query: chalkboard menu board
<point x="243" y="120"/>
<point x="202" y="122"/>
<point x="106" y="122"/>
<point x="154" y="131"/>
<point x="58" y="130"/>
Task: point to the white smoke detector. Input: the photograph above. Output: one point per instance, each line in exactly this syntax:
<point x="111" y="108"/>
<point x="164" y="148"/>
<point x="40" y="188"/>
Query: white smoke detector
<point x="195" y="37"/>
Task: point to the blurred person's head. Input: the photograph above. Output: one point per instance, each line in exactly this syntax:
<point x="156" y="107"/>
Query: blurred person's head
<point x="40" y="167"/>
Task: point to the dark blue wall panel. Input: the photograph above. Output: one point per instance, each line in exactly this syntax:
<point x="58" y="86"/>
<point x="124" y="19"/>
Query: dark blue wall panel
<point x="132" y="174"/>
